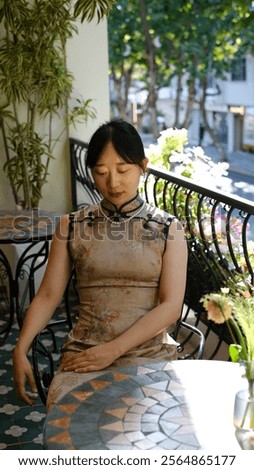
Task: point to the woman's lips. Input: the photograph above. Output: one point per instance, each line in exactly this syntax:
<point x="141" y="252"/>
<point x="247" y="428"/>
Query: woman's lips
<point x="115" y="195"/>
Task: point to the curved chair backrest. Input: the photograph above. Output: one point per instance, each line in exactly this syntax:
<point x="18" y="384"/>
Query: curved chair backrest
<point x="83" y="188"/>
<point x="47" y="345"/>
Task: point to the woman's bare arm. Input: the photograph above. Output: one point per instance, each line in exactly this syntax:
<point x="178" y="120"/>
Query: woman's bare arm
<point x="42" y="307"/>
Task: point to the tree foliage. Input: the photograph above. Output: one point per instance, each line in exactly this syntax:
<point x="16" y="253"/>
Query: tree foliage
<point x="193" y="41"/>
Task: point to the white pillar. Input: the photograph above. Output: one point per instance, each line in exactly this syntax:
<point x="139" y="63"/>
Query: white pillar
<point x="87" y="58"/>
<point x="231" y="132"/>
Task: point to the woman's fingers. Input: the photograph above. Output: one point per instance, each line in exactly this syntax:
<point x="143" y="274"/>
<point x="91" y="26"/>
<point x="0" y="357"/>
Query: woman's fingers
<point x="23" y="374"/>
<point x="78" y="363"/>
<point x="95" y="358"/>
<point x="27" y="396"/>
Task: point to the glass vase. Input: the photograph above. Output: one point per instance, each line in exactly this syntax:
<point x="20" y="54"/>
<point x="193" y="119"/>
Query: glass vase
<point x="244" y="417"/>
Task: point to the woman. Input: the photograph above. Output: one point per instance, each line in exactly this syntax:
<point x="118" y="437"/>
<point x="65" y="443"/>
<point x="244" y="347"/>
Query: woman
<point x="130" y="261"/>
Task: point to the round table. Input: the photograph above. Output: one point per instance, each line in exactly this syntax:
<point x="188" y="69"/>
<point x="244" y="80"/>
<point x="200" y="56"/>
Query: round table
<point x="184" y="404"/>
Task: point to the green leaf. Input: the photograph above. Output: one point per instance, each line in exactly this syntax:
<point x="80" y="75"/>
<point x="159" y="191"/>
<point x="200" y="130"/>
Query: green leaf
<point x="234" y="352"/>
<point x="88" y="9"/>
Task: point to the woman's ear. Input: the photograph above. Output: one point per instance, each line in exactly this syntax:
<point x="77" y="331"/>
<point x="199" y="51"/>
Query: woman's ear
<point x="144" y="164"/>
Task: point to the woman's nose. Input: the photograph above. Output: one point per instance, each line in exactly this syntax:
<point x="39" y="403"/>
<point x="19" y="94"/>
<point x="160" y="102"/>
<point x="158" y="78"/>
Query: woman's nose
<point x="113" y="180"/>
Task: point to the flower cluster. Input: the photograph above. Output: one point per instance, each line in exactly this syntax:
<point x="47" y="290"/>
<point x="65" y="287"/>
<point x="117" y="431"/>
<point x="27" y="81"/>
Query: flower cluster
<point x="235" y="306"/>
<point x="172" y="152"/>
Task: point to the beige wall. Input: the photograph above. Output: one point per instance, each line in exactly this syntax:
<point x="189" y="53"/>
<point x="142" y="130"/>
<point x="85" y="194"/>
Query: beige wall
<point x="87" y="59"/>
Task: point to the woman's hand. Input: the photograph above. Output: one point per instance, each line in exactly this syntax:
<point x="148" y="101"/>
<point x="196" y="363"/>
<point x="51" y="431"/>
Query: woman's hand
<point x="92" y="359"/>
<point x="22" y="372"/>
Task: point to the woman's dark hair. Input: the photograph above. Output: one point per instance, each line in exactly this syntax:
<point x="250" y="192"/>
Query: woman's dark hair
<point x="124" y="138"/>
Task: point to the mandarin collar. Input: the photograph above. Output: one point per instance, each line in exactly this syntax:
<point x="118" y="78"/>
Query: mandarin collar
<point x="125" y="209"/>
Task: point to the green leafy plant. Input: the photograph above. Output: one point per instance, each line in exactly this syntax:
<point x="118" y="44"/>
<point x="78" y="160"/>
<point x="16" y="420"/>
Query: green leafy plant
<point x="234" y="305"/>
<point x="171" y="152"/>
<point x="35" y="85"/>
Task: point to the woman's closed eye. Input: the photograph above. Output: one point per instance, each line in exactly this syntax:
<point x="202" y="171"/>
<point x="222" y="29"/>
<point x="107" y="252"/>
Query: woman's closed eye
<point x="123" y="171"/>
<point x="100" y="173"/>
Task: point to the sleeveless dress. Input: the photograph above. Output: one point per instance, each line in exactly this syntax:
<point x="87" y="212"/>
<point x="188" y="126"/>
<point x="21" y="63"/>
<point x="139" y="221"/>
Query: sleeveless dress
<point x="117" y="256"/>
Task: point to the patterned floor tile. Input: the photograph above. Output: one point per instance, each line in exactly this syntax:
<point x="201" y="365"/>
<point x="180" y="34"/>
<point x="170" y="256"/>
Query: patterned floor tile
<point x="21" y="425"/>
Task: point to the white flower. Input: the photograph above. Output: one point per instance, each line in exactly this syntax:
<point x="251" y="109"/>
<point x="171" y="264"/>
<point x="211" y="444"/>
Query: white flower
<point x="220" y="169"/>
<point x="181" y="134"/>
<point x="153" y="150"/>
<point x="171" y="148"/>
<point x="199" y="152"/>
<point x="225" y="290"/>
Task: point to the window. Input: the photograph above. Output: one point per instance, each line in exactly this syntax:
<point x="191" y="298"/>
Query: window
<point x="239" y="70"/>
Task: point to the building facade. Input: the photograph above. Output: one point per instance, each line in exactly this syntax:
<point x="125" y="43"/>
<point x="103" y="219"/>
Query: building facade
<point x="229" y="105"/>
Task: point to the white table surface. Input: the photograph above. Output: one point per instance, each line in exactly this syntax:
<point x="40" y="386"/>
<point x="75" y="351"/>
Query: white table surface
<point x="210" y="390"/>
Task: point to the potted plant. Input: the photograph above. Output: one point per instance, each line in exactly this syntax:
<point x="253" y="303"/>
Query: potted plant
<point x="35" y="86"/>
<point x="234" y="305"/>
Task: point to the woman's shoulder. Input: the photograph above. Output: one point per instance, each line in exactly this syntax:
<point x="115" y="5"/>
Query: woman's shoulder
<point x="159" y="214"/>
<point x="67" y="220"/>
<point x="164" y="219"/>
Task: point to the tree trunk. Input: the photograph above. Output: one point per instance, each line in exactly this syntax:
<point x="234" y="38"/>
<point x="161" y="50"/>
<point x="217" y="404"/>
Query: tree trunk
<point x="191" y="98"/>
<point x="216" y="142"/>
<point x="122" y="85"/>
<point x="151" y="65"/>
<point x="8" y="158"/>
<point x="178" y="101"/>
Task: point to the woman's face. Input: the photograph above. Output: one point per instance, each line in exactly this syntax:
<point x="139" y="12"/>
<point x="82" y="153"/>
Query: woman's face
<point x="116" y="179"/>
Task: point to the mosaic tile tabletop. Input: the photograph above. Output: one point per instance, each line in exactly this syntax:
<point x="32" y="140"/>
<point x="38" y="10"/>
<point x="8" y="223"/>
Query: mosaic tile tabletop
<point x="177" y="405"/>
<point x="133" y="408"/>
<point x="25" y="226"/>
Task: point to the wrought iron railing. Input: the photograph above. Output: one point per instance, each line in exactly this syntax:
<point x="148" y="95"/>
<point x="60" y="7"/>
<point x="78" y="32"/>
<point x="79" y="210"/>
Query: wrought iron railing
<point x="220" y="234"/>
<point x="220" y="225"/>
<point x="219" y="230"/>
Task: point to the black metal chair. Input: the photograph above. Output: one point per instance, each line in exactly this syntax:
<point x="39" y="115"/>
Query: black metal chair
<point x="204" y="276"/>
<point x="46" y="347"/>
<point x="83" y="189"/>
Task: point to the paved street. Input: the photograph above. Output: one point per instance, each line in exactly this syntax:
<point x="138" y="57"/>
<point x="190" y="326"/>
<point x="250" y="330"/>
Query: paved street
<point x="240" y="179"/>
<point x="241" y="184"/>
<point x="240" y="161"/>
